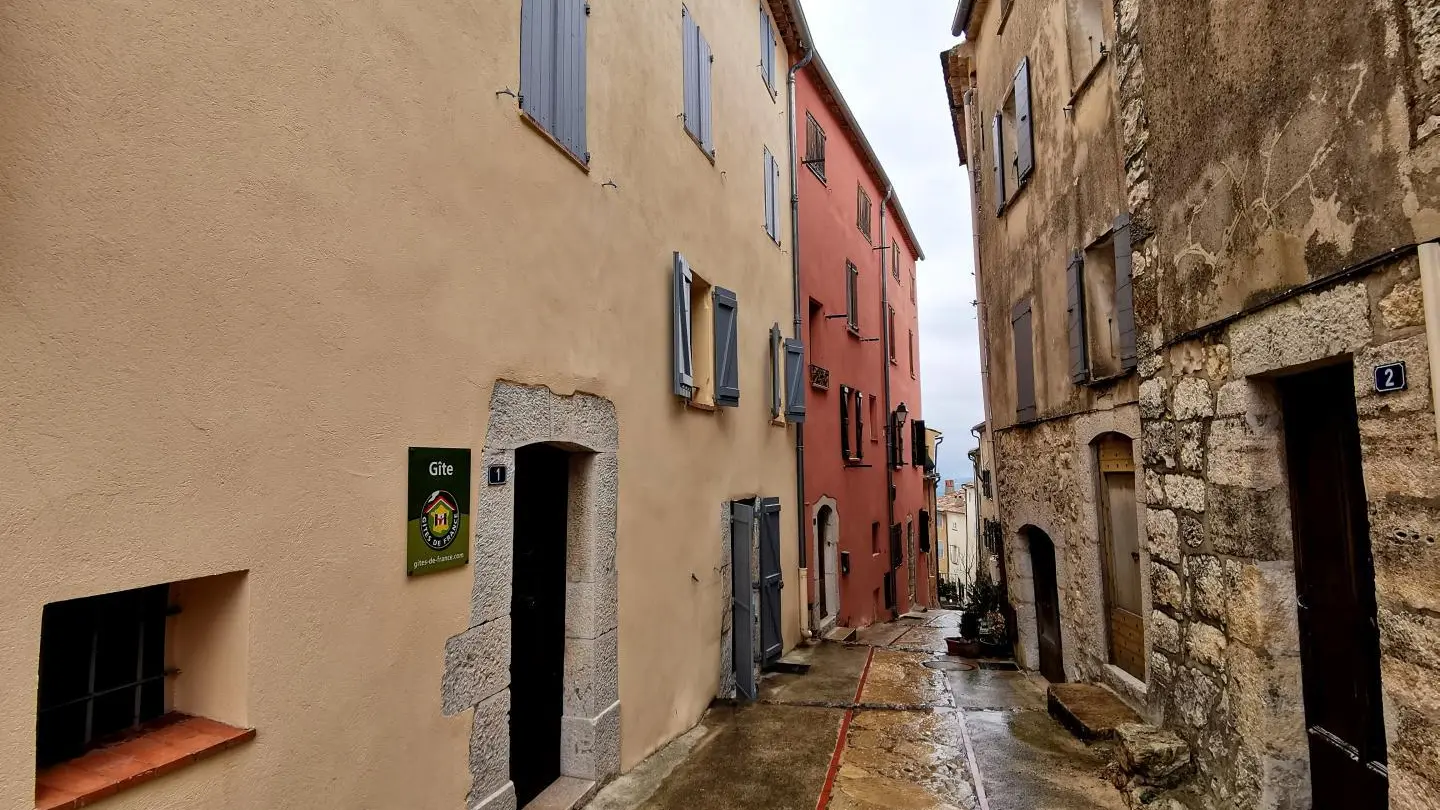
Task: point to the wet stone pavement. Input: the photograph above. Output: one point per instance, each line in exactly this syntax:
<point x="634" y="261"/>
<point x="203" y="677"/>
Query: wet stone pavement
<point x="915" y="737"/>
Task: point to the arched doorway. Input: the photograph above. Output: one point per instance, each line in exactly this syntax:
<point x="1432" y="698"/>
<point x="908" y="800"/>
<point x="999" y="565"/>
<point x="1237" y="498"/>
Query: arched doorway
<point x="827" y="575"/>
<point x="1047" y="605"/>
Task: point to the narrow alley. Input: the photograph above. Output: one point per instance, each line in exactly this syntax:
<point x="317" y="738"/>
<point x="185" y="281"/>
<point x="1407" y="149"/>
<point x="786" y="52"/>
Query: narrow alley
<point x="922" y="731"/>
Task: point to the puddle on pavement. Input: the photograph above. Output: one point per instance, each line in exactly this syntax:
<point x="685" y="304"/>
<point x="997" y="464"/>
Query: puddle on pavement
<point x="950" y="666"/>
<point x="899" y="678"/>
<point x="924" y="639"/>
<point x="904" y="760"/>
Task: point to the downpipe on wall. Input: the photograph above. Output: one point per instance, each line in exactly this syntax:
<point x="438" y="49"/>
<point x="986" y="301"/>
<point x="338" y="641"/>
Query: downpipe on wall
<point x="801" y="518"/>
<point x="885" y="351"/>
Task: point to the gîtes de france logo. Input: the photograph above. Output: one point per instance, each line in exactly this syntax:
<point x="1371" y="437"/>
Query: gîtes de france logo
<point x="442" y="520"/>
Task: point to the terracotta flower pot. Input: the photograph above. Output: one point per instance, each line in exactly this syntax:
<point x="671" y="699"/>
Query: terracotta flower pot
<point x="962" y="647"/>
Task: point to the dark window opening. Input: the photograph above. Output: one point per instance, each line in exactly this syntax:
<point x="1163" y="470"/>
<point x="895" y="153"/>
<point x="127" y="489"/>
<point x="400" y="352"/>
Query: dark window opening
<point x="862" y="212"/>
<point x="852" y="296"/>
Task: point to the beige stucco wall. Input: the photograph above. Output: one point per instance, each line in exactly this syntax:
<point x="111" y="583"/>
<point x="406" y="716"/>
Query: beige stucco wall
<point x="253" y="251"/>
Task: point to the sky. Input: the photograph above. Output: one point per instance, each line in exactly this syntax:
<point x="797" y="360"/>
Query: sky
<point x="885" y="55"/>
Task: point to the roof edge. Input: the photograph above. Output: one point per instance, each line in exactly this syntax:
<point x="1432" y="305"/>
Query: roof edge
<point x="962" y="17"/>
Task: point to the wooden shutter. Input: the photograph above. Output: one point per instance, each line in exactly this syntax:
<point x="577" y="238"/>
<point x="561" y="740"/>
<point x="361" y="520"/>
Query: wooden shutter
<point x="553" y="69"/>
<point x="1124" y="292"/>
<point x="1024" y="127"/>
<point x="707" y="113"/>
<point x="771" y="581"/>
<point x="859" y="425"/>
<point x="897" y="546"/>
<point x="767" y="49"/>
<point x="742" y="592"/>
<point x="845" y="422"/>
<point x="727" y="345"/>
<point x="690" y="37"/>
<point x="777" y="380"/>
<point x="772" y="202"/>
<point x="537" y="61"/>
<point x="918" y="448"/>
<point x="1024" y="362"/>
<point x="997" y="141"/>
<point x="684" y="370"/>
<point x="852" y="295"/>
<point x="794" y="380"/>
<point x="1075" y="318"/>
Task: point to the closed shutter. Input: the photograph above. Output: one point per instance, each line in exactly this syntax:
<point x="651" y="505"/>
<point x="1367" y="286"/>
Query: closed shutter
<point x="924" y="531"/>
<point x="1024" y="127"/>
<point x="918" y="449"/>
<point x="690" y="36"/>
<point x="1124" y="292"/>
<point x="771" y="226"/>
<point x="1075" y="318"/>
<point x="707" y="122"/>
<point x="553" y="69"/>
<point x="794" y="380"/>
<point x="771" y="581"/>
<point x="727" y="346"/>
<point x="1024" y="362"/>
<point x="742" y="592"/>
<point x="859" y="425"/>
<point x="767" y="49"/>
<point x="537" y="61"/>
<point x="684" y="360"/>
<point x="897" y="443"/>
<point x="777" y="379"/>
<point x="845" y="422"/>
<point x="997" y="141"/>
<point x="897" y="547"/>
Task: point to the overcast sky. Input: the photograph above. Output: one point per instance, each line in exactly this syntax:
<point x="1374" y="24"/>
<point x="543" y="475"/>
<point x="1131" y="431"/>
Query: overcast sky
<point x="886" y="57"/>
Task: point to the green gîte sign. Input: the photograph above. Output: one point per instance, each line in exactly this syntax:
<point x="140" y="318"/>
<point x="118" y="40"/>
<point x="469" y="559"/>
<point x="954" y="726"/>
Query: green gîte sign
<point x="437" y="535"/>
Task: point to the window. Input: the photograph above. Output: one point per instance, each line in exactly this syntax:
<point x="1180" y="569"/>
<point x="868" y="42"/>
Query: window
<point x="852" y="297"/>
<point x="1012" y="140"/>
<point x="1085" y="32"/>
<point x="1100" y="315"/>
<point x="874" y="418"/>
<point x="706" y="337"/>
<point x="698" y="63"/>
<point x="897" y="442"/>
<point x="912" y="285"/>
<point x="814" y="146"/>
<point x="875" y="541"/>
<point x="895" y="259"/>
<point x="552" y="70"/>
<point x="862" y="211"/>
<point x="772" y="196"/>
<point x="912" y="354"/>
<point x="767" y="50"/>
<point x="859" y="425"/>
<point x="919" y="444"/>
<point x="1025" y="410"/>
<point x="777" y="373"/>
<point x="890" y="325"/>
<point x="845" y="422"/>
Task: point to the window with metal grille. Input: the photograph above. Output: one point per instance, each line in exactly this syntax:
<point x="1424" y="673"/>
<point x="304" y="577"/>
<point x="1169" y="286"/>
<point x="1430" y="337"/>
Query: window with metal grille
<point x="895" y="259"/>
<point x="814" y="146"/>
<point x="102" y="670"/>
<point x="862" y="211"/>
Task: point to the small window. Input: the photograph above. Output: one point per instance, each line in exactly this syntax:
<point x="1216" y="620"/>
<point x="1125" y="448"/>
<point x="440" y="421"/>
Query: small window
<point x="1008" y="136"/>
<point x="702" y="341"/>
<point x="552" y="70"/>
<point x="771" y="170"/>
<point x="874" y="418"/>
<point x="1098" y="274"/>
<point x="860" y="426"/>
<point x="895" y="259"/>
<point x="1012" y="136"/>
<point x="891" y="326"/>
<point x="845" y="453"/>
<point x="699" y="121"/>
<point x="912" y="354"/>
<point x="852" y="297"/>
<point x="1085" y="33"/>
<point x="814" y="146"/>
<point x="767" y="49"/>
<point x="875" y="539"/>
<point x="862" y="211"/>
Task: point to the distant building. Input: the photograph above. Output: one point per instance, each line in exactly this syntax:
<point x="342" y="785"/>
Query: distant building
<point x="957" y="524"/>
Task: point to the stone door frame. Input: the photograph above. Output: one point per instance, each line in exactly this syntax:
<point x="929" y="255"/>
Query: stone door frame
<point x="477" y="661"/>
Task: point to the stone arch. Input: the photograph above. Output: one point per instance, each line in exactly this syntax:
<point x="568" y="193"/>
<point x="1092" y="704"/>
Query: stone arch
<point x="825" y="547"/>
<point x="477" y="661"/>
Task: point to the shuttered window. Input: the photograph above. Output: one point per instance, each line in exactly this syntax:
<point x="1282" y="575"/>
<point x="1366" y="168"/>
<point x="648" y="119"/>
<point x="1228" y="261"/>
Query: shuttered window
<point x="814" y="146"/>
<point x="767" y="49"/>
<point x="852" y="296"/>
<point x="919" y="450"/>
<point x="1024" y="127"/>
<point x="727" y="339"/>
<point x="1124" y="293"/>
<point x="859" y="425"/>
<point x="684" y="359"/>
<point x="997" y="151"/>
<point x="794" y="380"/>
<point x="1020" y="327"/>
<point x="845" y="422"/>
<point x="897" y="442"/>
<point x="777" y="372"/>
<point x="552" y="69"/>
<point x="890" y="325"/>
<point x="772" y="196"/>
<point x="698" y="62"/>
<point x="862" y="211"/>
<point x="1075" y="318"/>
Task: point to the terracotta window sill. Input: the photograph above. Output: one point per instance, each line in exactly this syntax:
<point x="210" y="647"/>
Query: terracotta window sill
<point x="166" y="745"/>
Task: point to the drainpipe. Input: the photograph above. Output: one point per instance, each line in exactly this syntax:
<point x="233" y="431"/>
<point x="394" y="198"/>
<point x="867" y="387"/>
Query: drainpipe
<point x="800" y="517"/>
<point x="885" y="369"/>
<point x="1430" y="293"/>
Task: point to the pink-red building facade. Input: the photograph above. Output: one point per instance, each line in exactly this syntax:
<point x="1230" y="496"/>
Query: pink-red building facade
<point x="869" y="557"/>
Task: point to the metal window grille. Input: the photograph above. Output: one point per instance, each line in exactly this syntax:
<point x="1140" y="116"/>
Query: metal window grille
<point x="102" y="670"/>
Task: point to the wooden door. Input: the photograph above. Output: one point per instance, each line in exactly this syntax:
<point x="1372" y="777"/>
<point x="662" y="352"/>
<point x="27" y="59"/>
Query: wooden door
<point x="1047" y="606"/>
<point x="1121" y="549"/>
<point x="1335" y="585"/>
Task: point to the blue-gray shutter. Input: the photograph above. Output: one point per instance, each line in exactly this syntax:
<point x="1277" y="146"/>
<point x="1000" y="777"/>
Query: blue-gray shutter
<point x="1075" y="318"/>
<point x="742" y="625"/>
<point x="537" y="61"/>
<point x="794" y="380"/>
<point x="771" y="581"/>
<point x="727" y="348"/>
<point x="684" y="375"/>
<point x="1020" y="327"/>
<point x="571" y="20"/>
<point x="777" y="381"/>
<point x="690" y="36"/>
<point x="767" y="48"/>
<point x="769" y="170"/>
<point x="1024" y="127"/>
<point x="1124" y="293"/>
<point x="998" y="142"/>
<point x="707" y="121"/>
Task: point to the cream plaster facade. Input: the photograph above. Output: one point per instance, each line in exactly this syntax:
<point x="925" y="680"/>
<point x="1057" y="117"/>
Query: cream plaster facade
<point x="254" y="251"/>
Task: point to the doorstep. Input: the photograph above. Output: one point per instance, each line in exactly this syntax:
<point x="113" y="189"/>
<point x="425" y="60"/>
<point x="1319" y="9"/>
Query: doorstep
<point x="565" y="793"/>
<point x="1090" y="711"/>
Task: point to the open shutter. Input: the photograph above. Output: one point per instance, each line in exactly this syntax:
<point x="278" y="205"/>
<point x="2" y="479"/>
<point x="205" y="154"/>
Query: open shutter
<point x="859" y="425"/>
<point x="997" y="142"/>
<point x="845" y="422"/>
<point x="1124" y="292"/>
<point x="727" y="346"/>
<point x="707" y="122"/>
<point x="1075" y="318"/>
<point x="1024" y="127"/>
<point x="684" y="360"/>
<point x="742" y="592"/>
<point x="794" y="380"/>
<point x="897" y="458"/>
<point x="769" y="170"/>
<point x="537" y="61"/>
<point x="571" y="20"/>
<point x="690" y="36"/>
<point x="918" y="450"/>
<point x="771" y="582"/>
<point x="777" y="381"/>
<point x="767" y="48"/>
<point x="1024" y="362"/>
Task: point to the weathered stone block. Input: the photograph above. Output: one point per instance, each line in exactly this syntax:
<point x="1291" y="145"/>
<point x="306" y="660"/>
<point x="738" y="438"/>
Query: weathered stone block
<point x="1152" y="398"/>
<point x="593" y="519"/>
<point x="1164" y="632"/>
<point x="1185" y="492"/>
<point x="1246" y="452"/>
<point x="494" y="551"/>
<point x="1304" y="329"/>
<point x="1405" y="540"/>
<point x="1400" y="456"/>
<point x="1248" y="398"/>
<point x="1161" y="671"/>
<point x="502" y="799"/>
<point x="1162" y="531"/>
<point x="1404" y="306"/>
<point x="1191" y="440"/>
<point x="1412" y="637"/>
<point x="1155" y="756"/>
<point x="490" y="749"/>
<point x="1165" y="587"/>
<point x="1261" y="610"/>
<point x="1192" y="399"/>
<point x="590" y="747"/>
<point x="477" y="665"/>
<point x="1154" y="489"/>
<point x="1266" y="700"/>
<point x="1157" y="444"/>
<point x="1244" y="522"/>
<point x="1206" y="592"/>
<point x="592" y="674"/>
<point x="591" y="608"/>
<point x="1192" y="532"/>
<point x="1205" y="644"/>
<point x="1416" y="397"/>
<point x="1194" y="696"/>
<point x="1412" y="697"/>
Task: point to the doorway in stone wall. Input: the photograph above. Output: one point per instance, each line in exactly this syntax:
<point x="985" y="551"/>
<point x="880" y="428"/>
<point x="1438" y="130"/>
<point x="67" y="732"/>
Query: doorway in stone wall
<point x="1335" y="589"/>
<point x="1047" y="605"/>
<point x="537" y="614"/>
<point x="1120" y="550"/>
<point x="827" y="577"/>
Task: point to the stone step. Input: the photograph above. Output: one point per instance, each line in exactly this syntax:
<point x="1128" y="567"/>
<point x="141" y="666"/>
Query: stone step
<point x="1152" y="756"/>
<point x="844" y="635"/>
<point x="1090" y="711"/>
